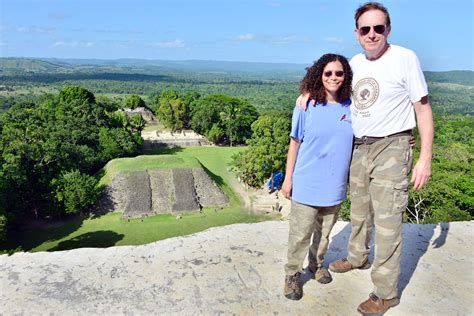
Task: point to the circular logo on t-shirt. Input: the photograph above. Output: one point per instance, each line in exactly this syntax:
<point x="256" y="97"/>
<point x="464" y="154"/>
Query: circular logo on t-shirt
<point x="365" y="93"/>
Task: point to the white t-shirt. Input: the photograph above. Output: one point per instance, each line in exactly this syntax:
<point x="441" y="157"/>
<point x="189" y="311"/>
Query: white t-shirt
<point x="384" y="91"/>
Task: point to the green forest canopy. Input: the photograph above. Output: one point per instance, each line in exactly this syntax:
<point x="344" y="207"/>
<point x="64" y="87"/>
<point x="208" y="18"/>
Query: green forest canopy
<point x="266" y="86"/>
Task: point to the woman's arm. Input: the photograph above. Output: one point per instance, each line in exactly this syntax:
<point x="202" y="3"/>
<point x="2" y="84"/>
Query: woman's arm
<point x="287" y="185"/>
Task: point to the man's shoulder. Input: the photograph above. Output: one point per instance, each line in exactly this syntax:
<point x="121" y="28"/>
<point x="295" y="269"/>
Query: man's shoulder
<point x="402" y="50"/>
<point x="357" y="57"/>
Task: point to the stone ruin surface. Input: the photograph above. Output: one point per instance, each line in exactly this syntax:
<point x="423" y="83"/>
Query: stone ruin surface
<point x="183" y="138"/>
<point x="161" y="191"/>
<point x="146" y="114"/>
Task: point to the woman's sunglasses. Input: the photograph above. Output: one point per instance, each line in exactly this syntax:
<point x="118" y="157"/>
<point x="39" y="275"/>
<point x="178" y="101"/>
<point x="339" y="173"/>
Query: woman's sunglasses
<point x="364" y="30"/>
<point x="338" y="73"/>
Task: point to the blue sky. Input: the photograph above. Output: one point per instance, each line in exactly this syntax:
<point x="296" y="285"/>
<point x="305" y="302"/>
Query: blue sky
<point x="298" y="31"/>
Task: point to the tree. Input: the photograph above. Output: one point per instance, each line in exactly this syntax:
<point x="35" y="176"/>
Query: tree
<point x="76" y="191"/>
<point x="3" y="214"/>
<point x="216" y="134"/>
<point x="205" y="113"/>
<point x="224" y="113"/>
<point x="134" y="101"/>
<point x="449" y="195"/>
<point x="118" y="142"/>
<point x="267" y="150"/>
<point x="172" y="111"/>
<point x="237" y="117"/>
<point x="46" y="149"/>
<point x="76" y="94"/>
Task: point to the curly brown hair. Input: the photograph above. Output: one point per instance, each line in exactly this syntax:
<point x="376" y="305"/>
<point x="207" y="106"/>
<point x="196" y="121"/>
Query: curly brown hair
<point x="312" y="82"/>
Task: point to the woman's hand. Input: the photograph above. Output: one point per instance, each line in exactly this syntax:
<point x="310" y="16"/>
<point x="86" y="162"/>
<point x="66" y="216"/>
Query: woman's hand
<point x="286" y="188"/>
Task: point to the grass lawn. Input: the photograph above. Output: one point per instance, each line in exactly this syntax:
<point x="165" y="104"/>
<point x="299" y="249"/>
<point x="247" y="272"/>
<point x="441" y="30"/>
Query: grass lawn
<point x="112" y="230"/>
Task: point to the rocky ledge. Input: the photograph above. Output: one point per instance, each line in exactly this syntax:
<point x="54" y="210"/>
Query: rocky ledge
<point x="236" y="269"/>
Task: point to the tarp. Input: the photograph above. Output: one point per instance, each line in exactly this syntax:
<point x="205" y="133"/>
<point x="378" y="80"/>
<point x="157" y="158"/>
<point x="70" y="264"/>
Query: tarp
<point x="277" y="180"/>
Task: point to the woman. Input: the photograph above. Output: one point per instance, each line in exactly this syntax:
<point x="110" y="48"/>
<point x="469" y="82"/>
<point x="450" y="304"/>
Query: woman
<point x="317" y="167"/>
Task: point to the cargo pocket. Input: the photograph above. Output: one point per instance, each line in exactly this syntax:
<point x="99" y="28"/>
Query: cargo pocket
<point x="400" y="196"/>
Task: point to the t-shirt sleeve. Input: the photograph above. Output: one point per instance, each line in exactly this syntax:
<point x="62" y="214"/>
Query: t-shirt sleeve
<point x="297" y="124"/>
<point x="415" y="81"/>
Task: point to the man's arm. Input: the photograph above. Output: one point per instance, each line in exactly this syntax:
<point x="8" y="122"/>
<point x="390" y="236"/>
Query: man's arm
<point x="302" y="101"/>
<point x="287" y="185"/>
<point x="424" y="117"/>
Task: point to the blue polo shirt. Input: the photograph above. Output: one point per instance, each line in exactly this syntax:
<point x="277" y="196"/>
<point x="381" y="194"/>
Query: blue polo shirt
<point x="322" y="164"/>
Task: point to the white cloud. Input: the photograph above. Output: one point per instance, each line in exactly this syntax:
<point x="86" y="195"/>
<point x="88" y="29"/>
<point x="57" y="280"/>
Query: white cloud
<point x="273" y="4"/>
<point x="336" y="40"/>
<point x="244" y="37"/>
<point x="292" y="39"/>
<point x="58" y="15"/>
<point x="118" y="31"/>
<point x="177" y="43"/>
<point x="73" y="44"/>
<point x="33" y="29"/>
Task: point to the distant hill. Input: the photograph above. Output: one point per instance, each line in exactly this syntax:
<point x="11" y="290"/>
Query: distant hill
<point x="273" y="71"/>
<point x="15" y="65"/>
<point x="250" y="70"/>
<point x="191" y="65"/>
<point x="463" y="77"/>
<point x="269" y="86"/>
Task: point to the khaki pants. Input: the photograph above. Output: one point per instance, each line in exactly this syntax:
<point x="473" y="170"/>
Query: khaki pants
<point x="379" y="195"/>
<point x="304" y="221"/>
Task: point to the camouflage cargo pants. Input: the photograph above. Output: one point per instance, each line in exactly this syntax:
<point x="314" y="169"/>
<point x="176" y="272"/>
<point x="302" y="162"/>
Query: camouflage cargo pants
<point x="304" y="221"/>
<point x="379" y="195"/>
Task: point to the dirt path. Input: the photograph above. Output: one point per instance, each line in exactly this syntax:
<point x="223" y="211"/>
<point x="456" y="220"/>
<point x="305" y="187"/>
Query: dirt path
<point x="259" y="200"/>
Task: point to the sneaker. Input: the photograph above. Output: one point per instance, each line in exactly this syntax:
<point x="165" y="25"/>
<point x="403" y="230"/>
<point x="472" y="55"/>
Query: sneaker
<point x="293" y="289"/>
<point x="376" y="306"/>
<point x="323" y="276"/>
<point x="343" y="265"/>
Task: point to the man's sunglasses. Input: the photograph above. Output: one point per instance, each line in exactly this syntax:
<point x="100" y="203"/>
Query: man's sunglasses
<point x="364" y="30"/>
<point x="338" y="73"/>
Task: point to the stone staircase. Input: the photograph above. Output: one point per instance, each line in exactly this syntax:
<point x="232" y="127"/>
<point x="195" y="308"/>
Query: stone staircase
<point x="261" y="201"/>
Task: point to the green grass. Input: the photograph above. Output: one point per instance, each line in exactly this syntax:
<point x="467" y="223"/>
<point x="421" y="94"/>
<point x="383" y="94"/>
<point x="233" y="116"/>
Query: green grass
<point x="113" y="230"/>
<point x="146" y="162"/>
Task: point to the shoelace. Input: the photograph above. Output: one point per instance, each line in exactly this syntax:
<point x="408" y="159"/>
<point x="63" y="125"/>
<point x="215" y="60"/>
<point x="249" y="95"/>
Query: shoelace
<point x="294" y="280"/>
<point x="374" y="297"/>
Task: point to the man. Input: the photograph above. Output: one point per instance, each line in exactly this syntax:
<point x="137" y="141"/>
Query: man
<point x="388" y="89"/>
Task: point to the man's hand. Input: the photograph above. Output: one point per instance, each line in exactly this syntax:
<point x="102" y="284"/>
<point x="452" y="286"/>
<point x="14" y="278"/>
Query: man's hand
<point x="421" y="174"/>
<point x="412" y="141"/>
<point x="302" y="101"/>
<point x="424" y="117"/>
<point x="286" y="188"/>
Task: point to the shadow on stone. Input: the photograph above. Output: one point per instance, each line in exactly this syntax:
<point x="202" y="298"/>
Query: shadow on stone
<point x="415" y="245"/>
<point x="99" y="239"/>
<point x="416" y="240"/>
<point x="338" y="245"/>
<point x="337" y="249"/>
<point x="217" y="179"/>
<point x="43" y="230"/>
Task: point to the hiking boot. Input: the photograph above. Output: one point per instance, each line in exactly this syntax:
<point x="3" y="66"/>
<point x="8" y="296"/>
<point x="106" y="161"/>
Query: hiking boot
<point x="323" y="276"/>
<point x="343" y="265"/>
<point x="312" y="266"/>
<point x="376" y="306"/>
<point x="293" y="289"/>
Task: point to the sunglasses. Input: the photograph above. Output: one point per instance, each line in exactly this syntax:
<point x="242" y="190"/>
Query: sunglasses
<point x="364" y="30"/>
<point x="338" y="73"/>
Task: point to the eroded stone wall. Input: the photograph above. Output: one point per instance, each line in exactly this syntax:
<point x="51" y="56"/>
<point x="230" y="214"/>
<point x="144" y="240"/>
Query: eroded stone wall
<point x="160" y="191"/>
